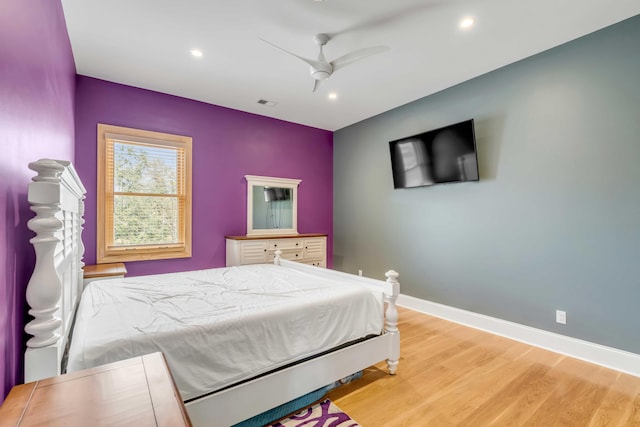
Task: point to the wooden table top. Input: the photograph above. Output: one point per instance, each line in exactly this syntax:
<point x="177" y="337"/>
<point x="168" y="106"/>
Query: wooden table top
<point x="276" y="236"/>
<point x="134" y="392"/>
<point x="104" y="270"/>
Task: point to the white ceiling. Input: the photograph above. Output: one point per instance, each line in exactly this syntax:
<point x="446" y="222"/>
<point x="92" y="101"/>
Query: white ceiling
<point x="147" y="43"/>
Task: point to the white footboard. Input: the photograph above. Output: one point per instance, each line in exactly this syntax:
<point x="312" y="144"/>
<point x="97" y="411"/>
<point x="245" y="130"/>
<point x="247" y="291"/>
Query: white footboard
<point x="391" y="289"/>
<point x="246" y="400"/>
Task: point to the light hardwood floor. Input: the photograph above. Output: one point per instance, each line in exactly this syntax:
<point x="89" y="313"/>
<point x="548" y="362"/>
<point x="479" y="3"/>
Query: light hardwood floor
<point x="452" y="375"/>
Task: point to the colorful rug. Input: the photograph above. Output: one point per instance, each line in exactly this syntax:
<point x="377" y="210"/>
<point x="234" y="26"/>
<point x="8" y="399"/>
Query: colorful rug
<point x="323" y="414"/>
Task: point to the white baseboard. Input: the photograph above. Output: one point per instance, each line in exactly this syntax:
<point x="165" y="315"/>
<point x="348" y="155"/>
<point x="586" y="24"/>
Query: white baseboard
<point x="608" y="357"/>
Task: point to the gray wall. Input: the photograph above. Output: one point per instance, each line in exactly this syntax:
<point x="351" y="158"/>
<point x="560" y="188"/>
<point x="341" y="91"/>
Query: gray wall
<point x="554" y="222"/>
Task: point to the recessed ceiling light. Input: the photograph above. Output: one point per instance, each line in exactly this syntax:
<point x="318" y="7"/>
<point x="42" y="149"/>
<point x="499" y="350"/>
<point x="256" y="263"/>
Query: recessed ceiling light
<point x="196" y="52"/>
<point x="333" y="95"/>
<point x="467" y="22"/>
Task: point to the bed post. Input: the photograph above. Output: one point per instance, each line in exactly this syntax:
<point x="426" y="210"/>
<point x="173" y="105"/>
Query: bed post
<point x="391" y="321"/>
<point x="56" y="196"/>
<point x="45" y="287"/>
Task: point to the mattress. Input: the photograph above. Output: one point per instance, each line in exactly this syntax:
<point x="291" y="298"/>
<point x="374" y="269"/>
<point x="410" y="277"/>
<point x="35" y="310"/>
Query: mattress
<point x="220" y="326"/>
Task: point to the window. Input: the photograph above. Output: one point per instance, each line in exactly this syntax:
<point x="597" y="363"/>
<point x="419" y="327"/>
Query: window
<point x="144" y="195"/>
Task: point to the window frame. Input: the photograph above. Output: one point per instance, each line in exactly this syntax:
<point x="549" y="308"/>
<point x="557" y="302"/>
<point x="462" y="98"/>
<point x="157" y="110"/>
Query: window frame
<point x="106" y="251"/>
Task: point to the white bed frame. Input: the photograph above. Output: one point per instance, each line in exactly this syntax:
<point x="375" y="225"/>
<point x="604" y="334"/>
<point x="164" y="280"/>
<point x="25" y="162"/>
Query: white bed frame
<point x="56" y="195"/>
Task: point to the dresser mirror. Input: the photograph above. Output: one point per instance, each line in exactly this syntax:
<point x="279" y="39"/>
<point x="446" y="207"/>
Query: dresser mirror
<point x="272" y="205"/>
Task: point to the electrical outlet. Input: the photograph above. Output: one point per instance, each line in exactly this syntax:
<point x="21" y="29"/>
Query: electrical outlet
<point x="561" y="317"/>
<point x="359" y="272"/>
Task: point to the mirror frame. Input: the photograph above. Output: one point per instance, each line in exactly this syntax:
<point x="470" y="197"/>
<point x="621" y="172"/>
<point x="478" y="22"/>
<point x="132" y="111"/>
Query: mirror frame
<point x="262" y="181"/>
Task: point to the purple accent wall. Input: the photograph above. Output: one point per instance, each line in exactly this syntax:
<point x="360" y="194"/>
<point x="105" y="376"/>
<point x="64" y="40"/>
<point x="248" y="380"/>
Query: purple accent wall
<point x="227" y="144"/>
<point x="37" y="93"/>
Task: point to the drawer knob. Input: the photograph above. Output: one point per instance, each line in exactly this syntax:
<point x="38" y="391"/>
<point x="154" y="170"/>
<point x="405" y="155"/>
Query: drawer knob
<point x="296" y="255"/>
<point x="265" y="250"/>
<point x="297" y="244"/>
<point x="275" y="245"/>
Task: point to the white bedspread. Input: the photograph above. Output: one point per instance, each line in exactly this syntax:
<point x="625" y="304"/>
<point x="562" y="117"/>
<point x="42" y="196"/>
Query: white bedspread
<point x="220" y="326"/>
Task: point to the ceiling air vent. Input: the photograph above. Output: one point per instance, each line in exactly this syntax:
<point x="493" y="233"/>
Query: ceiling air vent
<point x="266" y="102"/>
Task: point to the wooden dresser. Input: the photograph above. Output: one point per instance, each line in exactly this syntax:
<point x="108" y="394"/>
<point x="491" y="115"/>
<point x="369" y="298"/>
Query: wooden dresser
<point x="135" y="392"/>
<point x="305" y="248"/>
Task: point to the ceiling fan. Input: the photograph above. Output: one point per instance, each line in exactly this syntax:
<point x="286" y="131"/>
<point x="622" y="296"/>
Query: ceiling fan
<point x="320" y="68"/>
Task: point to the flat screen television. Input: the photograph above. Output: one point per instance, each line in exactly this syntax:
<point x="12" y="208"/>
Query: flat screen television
<point x="272" y="194"/>
<point x="447" y="154"/>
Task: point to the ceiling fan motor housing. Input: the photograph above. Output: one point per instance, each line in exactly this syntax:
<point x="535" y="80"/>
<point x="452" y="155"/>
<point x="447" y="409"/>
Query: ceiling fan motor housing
<point x="321" y="72"/>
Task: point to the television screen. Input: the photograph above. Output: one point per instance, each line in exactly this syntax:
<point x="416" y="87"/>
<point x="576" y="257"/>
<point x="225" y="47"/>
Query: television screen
<point x="272" y="194"/>
<point x="437" y="156"/>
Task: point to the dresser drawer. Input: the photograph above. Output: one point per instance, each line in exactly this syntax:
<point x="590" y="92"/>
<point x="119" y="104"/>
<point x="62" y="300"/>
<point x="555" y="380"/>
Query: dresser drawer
<point x="254" y="252"/>
<point x="314" y="248"/>
<point x="290" y="255"/>
<point x="314" y="262"/>
<point x="285" y="244"/>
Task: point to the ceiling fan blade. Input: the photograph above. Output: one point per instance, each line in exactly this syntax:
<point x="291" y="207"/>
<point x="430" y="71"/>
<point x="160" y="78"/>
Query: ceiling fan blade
<point x="316" y="84"/>
<point x="308" y="61"/>
<point x="357" y="55"/>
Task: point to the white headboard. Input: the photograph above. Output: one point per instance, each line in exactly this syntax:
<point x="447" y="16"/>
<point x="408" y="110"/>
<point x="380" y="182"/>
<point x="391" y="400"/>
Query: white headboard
<point x="56" y="195"/>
